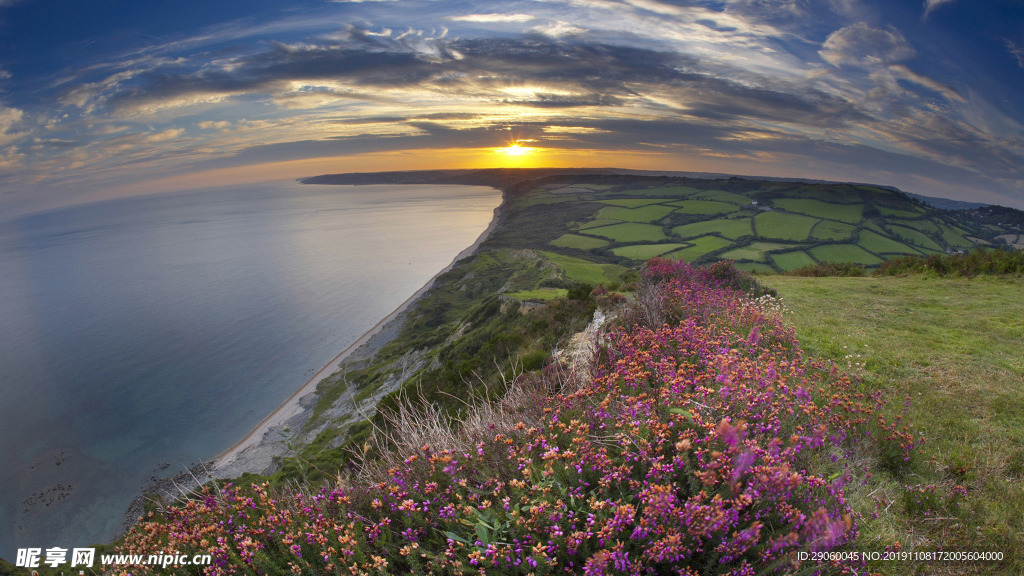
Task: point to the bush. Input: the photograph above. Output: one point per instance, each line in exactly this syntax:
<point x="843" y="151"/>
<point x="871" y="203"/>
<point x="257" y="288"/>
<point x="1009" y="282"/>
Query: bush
<point x="977" y="263"/>
<point x="822" y="269"/>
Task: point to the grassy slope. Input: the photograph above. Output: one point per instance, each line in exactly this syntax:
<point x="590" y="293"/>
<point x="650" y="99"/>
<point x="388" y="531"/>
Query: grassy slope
<point x="953" y="347"/>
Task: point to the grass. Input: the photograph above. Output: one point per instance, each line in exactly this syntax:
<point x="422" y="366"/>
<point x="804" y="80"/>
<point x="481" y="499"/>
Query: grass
<point x="875" y="242"/>
<point x="705" y="207"/>
<point x="956" y="239"/>
<point x="728" y="228"/>
<point x="585" y="271"/>
<point x="791" y="260"/>
<point x="777" y="225"/>
<point x="895" y="212"/>
<point x="597" y="223"/>
<point x="915" y="237"/>
<point x="578" y="242"/>
<point x="646" y="251"/>
<point x="643" y="214"/>
<point x="832" y="230"/>
<point x="755" y="267"/>
<point x="723" y="196"/>
<point x="753" y="251"/>
<point x="844" y="253"/>
<point x="828" y="193"/>
<point x="701" y="246"/>
<point x="629" y="233"/>
<point x="539" y="294"/>
<point x="849" y="213"/>
<point x="663" y="190"/>
<point x="921" y="225"/>
<point x="952" y="346"/>
<point x="635" y="202"/>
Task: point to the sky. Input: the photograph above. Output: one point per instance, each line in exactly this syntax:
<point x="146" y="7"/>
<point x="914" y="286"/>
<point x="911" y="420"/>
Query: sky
<point x="110" y="98"/>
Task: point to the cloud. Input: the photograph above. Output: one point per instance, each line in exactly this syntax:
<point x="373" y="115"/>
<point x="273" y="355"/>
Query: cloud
<point x="725" y="82"/>
<point x="11" y="160"/>
<point x="518" y="18"/>
<point x="9" y="117"/>
<point x="214" y="124"/>
<point x="864" y="46"/>
<point x="909" y="75"/>
<point x="931" y="5"/>
<point x="164" y="135"/>
<point x="1016" y="51"/>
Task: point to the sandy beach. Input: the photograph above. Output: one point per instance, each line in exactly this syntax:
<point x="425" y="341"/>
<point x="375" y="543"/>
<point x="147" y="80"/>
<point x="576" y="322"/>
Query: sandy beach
<point x="233" y="460"/>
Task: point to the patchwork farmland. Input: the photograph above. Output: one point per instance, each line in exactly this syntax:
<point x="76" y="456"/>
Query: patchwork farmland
<point x="762" y="226"/>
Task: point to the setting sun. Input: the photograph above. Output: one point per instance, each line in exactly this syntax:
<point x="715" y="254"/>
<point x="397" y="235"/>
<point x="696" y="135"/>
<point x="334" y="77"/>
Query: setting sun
<point x="516" y="149"/>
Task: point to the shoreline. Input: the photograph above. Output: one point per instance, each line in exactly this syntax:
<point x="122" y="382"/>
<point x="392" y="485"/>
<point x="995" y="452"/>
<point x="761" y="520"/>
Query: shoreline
<point x="293" y="405"/>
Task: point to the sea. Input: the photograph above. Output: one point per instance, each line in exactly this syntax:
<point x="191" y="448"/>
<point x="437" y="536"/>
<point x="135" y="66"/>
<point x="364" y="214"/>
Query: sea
<point x="141" y="335"/>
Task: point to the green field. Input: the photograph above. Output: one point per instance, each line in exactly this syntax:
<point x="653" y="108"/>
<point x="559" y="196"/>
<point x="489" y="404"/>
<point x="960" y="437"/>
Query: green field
<point x="844" y="253"/>
<point x="849" y="213"/>
<point x="956" y="239"/>
<point x="629" y="233"/>
<point x="894" y="212"/>
<point x="597" y="222"/>
<point x="950" y="349"/>
<point x="578" y="188"/>
<point x="753" y="251"/>
<point x="870" y="225"/>
<point x="777" y="225"/>
<point x="539" y="294"/>
<point x="705" y="207"/>
<point x="586" y="271"/>
<point x="831" y="230"/>
<point x="578" y="242"/>
<point x="915" y="237"/>
<point x="701" y="246"/>
<point x="729" y="228"/>
<point x="921" y="225"/>
<point x="874" y="242"/>
<point x="646" y="251"/>
<point x="644" y="214"/>
<point x="666" y="190"/>
<point x="635" y="202"/>
<point x="792" y="260"/>
<point x="723" y="196"/>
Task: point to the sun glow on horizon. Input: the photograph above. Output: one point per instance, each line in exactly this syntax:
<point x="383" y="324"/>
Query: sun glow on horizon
<point x="516" y="155"/>
<point x="517" y="149"/>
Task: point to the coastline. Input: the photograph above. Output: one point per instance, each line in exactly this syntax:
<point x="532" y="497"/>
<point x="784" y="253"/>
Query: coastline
<point x="235" y="460"/>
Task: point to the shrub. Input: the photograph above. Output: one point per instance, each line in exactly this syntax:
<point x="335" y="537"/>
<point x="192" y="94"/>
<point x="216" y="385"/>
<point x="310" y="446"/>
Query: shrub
<point x="978" y="262"/>
<point x="690" y="450"/>
<point x="822" y="269"/>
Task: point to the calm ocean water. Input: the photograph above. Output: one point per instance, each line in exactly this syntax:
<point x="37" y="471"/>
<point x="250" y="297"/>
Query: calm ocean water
<point x="138" y="336"/>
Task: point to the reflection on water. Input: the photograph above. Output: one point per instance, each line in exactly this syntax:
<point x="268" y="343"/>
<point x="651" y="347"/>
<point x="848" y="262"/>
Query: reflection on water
<point x="145" y="334"/>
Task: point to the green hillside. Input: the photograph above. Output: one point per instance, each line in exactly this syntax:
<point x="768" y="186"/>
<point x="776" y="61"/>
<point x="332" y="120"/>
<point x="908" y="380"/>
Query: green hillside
<point x="762" y="226"/>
